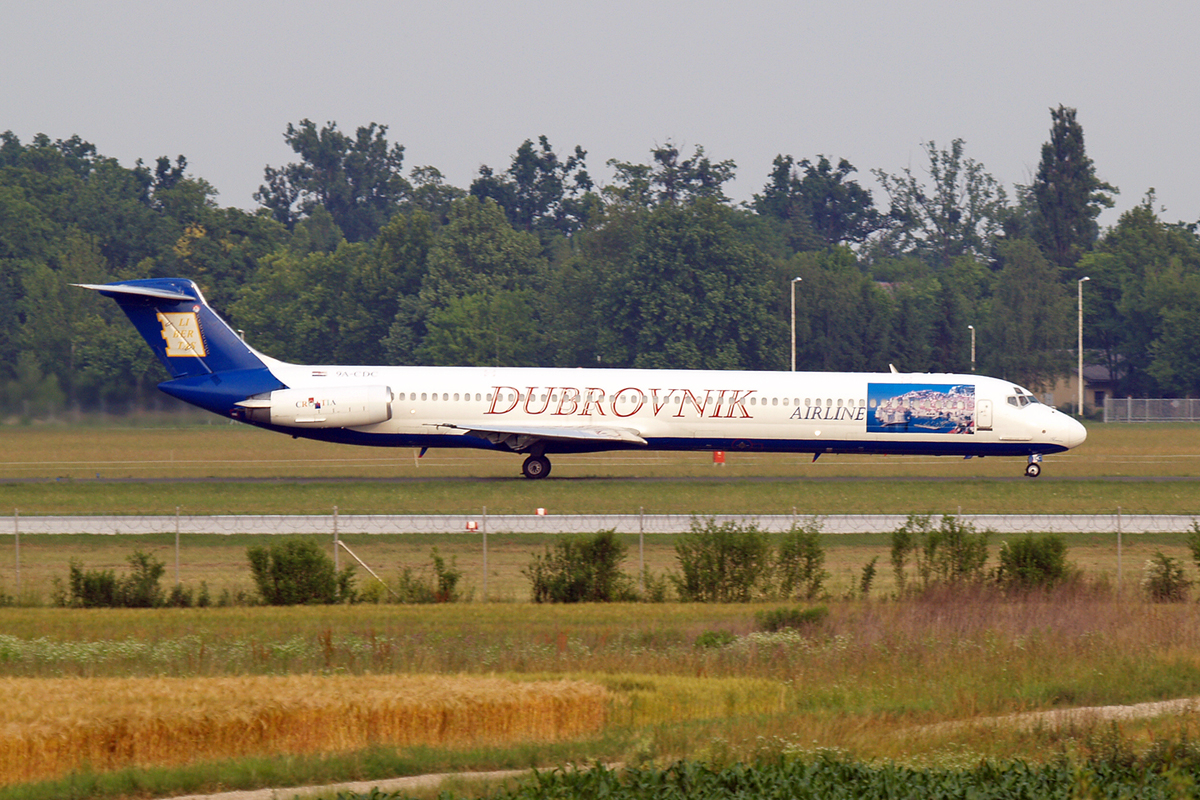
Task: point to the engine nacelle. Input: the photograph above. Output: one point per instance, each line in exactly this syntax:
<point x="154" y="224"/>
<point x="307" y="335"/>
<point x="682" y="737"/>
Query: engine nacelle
<point x="333" y="407"/>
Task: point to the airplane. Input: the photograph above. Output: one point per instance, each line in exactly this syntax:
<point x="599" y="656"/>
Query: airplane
<point x="539" y="412"/>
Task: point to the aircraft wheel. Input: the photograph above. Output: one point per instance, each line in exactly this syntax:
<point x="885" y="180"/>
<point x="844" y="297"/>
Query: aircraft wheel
<point x="1032" y="470"/>
<point x="536" y="467"/>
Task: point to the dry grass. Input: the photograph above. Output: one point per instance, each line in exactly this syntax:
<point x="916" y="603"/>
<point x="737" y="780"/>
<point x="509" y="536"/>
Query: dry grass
<point x="49" y="727"/>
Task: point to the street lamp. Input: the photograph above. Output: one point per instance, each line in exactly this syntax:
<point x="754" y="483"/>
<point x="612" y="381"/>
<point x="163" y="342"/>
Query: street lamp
<point x="972" y="327"/>
<point x="794" y="282"/>
<point x="1080" y="407"/>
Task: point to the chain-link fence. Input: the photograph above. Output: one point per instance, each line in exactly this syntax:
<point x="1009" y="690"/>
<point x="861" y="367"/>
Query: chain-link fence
<point x="483" y="545"/>
<point x="1131" y="409"/>
<point x="1117" y="521"/>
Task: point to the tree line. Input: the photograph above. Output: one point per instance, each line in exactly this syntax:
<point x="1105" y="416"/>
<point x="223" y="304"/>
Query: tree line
<point x="352" y="258"/>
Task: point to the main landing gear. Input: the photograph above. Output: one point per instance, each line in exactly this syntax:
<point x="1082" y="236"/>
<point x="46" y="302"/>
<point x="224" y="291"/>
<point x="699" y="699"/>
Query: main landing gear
<point x="1034" y="467"/>
<point x="536" y="467"/>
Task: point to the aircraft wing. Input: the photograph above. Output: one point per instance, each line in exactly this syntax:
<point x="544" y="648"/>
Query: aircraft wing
<point x="521" y="435"/>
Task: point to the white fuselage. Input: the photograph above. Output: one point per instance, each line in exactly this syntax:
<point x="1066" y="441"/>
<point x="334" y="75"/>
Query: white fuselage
<point x="696" y="410"/>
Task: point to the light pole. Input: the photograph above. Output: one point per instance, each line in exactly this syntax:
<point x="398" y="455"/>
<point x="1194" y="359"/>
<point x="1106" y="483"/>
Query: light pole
<point x="794" y="282"/>
<point x="972" y="327"/>
<point x="1080" y="407"/>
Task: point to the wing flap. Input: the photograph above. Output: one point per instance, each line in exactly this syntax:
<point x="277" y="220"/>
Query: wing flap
<point x="584" y="433"/>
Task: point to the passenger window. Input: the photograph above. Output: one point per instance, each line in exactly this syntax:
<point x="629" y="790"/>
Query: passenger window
<point x="422" y="396"/>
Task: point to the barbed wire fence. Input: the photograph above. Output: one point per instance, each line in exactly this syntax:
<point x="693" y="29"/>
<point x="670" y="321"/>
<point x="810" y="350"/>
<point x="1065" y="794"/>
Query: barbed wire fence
<point x="1119" y="523"/>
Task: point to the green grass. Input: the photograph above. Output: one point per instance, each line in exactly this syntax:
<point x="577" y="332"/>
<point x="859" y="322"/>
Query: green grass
<point x="607" y="496"/>
<point x="221" y="468"/>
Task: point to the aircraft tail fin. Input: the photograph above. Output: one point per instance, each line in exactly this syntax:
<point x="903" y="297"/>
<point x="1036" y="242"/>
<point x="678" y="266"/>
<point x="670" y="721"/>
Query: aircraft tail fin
<point x="185" y="334"/>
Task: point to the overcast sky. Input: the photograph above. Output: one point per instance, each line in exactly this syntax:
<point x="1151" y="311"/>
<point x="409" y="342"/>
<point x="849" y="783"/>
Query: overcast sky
<point x="461" y="84"/>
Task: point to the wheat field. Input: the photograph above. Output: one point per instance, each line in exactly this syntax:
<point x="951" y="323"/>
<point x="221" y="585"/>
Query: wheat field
<point x="52" y="726"/>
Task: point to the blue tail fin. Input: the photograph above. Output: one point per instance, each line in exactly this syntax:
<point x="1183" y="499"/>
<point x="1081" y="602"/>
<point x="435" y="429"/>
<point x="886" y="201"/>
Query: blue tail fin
<point x="186" y="335"/>
<point x="210" y="364"/>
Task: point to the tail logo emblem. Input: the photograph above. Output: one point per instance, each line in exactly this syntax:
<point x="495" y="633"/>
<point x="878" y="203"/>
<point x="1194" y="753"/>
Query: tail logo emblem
<point x="181" y="331"/>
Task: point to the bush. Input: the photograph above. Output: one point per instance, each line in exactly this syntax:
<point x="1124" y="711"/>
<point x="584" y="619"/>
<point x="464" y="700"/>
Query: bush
<point x="867" y="578"/>
<point x="140" y="589"/>
<point x="801" y="561"/>
<point x="182" y="597"/>
<point x="580" y="569"/>
<point x="1032" y="563"/>
<point x="441" y="587"/>
<point x="1193" y="542"/>
<point x="780" y="618"/>
<point x="298" y="572"/>
<point x="952" y="553"/>
<point x="103" y="589"/>
<point x="726" y="563"/>
<point x="710" y="640"/>
<point x="1163" y="580"/>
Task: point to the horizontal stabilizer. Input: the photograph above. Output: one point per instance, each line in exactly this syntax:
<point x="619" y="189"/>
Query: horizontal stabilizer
<point x="112" y="289"/>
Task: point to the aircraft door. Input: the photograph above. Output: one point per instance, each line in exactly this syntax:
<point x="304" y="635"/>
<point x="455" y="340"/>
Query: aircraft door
<point x="983" y="415"/>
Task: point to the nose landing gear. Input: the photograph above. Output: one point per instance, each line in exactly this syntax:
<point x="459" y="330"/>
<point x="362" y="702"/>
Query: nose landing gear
<point x="1034" y="467"/>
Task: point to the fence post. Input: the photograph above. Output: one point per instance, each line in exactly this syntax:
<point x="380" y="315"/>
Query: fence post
<point x="336" y="561"/>
<point x="17" y="536"/>
<point x="642" y="550"/>
<point x="1119" y="571"/>
<point x="485" y="564"/>
<point x="178" y="581"/>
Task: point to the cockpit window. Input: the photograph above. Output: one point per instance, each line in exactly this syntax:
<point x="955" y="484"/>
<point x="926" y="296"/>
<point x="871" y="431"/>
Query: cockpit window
<point x="1021" y="398"/>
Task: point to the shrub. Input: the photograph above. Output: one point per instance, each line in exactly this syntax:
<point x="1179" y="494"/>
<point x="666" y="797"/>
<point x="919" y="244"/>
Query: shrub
<point x="441" y="587"/>
<point x="1163" y="580"/>
<point x="1032" y="563"/>
<point x="780" y="618"/>
<point x="654" y="587"/>
<point x="103" y="589"/>
<point x="801" y="561"/>
<point x="951" y="553"/>
<point x="710" y="640"/>
<point x="183" y="597"/>
<point x="140" y="588"/>
<point x="90" y="589"/>
<point x="579" y="569"/>
<point x="724" y="563"/>
<point x="1193" y="542"/>
<point x="868" y="577"/>
<point x="298" y="572"/>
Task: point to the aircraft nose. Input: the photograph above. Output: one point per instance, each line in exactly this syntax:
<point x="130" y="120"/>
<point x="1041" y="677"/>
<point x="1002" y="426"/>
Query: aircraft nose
<point x="1075" y="432"/>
